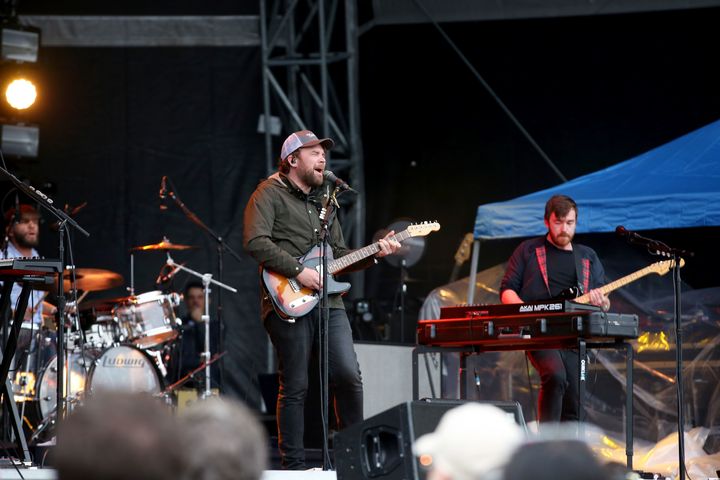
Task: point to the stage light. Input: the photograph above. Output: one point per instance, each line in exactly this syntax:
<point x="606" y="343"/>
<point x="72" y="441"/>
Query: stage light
<point x="20" y="140"/>
<point x="19" y="44"/>
<point x="20" y="93"/>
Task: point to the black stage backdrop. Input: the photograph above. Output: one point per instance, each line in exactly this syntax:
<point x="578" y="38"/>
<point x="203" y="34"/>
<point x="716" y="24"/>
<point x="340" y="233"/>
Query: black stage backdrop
<point x="593" y="92"/>
<point x="113" y="122"/>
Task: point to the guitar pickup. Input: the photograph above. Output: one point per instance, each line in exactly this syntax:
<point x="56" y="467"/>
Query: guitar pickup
<point x="294" y="284"/>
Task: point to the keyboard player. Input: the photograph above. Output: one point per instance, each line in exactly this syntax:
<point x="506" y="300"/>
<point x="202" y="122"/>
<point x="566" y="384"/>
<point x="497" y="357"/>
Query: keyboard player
<point x="540" y="269"/>
<point x="35" y="345"/>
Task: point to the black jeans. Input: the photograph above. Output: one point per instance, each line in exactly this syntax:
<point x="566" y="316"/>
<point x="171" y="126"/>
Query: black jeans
<point x="558" y="398"/>
<point x="294" y="343"/>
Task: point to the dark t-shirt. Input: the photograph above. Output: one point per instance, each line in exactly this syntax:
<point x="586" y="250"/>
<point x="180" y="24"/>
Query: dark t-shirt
<point x="561" y="269"/>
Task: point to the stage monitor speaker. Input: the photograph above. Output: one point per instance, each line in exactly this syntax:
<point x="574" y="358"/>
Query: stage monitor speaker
<point x="381" y="446"/>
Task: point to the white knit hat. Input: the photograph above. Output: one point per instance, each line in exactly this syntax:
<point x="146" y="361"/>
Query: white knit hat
<point x="469" y="441"/>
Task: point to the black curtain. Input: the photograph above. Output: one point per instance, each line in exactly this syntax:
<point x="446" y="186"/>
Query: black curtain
<point x="113" y="122"/>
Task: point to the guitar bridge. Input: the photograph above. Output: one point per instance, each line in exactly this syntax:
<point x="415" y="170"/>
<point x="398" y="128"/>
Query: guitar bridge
<point x="304" y="299"/>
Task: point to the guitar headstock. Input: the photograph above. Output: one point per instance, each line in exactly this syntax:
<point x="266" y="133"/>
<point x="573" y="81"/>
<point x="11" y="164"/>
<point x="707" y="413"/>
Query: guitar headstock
<point x="422" y="229"/>
<point x="664" y="266"/>
<point x="463" y="252"/>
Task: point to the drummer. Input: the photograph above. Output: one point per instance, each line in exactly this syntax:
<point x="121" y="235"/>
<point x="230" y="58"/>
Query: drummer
<point x="191" y="343"/>
<point x="22" y="236"/>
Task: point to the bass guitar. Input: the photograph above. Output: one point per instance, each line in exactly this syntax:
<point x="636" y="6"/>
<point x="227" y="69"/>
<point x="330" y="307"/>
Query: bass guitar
<point x="292" y="300"/>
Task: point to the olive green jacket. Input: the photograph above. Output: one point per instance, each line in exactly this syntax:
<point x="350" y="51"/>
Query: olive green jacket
<point x="282" y="223"/>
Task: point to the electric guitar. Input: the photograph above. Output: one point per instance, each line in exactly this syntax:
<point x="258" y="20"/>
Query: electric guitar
<point x="461" y="255"/>
<point x="661" y="268"/>
<point x="292" y="300"/>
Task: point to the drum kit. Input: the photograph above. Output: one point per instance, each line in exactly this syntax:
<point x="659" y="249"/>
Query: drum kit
<point x="121" y="344"/>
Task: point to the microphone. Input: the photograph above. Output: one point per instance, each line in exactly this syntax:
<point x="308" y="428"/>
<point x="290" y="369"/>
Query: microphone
<point x="71" y="212"/>
<point x="162" y="194"/>
<point x="638" y="239"/>
<point x="624" y="232"/>
<point x="167" y="277"/>
<point x="341" y="184"/>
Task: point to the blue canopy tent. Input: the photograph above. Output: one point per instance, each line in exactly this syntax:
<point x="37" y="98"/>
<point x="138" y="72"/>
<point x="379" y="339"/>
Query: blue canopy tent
<point x="675" y="185"/>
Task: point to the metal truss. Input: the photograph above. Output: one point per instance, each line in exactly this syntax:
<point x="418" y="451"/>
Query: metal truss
<point x="310" y="81"/>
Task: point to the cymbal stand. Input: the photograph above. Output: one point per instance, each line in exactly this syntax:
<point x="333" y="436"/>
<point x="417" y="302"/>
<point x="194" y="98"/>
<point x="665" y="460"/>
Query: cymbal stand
<point x="132" y="274"/>
<point x="222" y="247"/>
<point x="206" y="280"/>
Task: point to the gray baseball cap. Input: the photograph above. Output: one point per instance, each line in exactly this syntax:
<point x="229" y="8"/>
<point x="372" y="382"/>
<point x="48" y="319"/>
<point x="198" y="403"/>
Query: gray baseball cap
<point x="303" y="138"/>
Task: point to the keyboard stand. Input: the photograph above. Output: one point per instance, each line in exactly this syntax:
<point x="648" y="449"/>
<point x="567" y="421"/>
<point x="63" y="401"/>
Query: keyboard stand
<point x="9" y="352"/>
<point x="582" y="344"/>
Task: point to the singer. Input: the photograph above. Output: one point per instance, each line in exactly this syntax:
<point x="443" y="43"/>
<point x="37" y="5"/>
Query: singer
<point x="281" y="223"/>
<point x="540" y="269"/>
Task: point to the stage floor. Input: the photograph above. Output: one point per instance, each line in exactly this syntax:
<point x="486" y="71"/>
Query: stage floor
<point x="50" y="474"/>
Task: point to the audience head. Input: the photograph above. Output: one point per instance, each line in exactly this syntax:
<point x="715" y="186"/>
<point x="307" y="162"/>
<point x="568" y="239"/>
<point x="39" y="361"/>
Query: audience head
<point x="554" y="460"/>
<point x="471" y="442"/>
<point x="226" y="441"/>
<point x="118" y="436"/>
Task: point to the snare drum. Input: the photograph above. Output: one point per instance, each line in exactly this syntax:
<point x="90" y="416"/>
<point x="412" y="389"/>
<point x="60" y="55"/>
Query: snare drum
<point x="148" y="319"/>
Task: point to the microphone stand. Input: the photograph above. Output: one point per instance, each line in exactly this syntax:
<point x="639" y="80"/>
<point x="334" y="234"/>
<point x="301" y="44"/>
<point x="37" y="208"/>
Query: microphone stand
<point x="207" y="280"/>
<point x="403" y="293"/>
<point x="657" y="247"/>
<point x="63" y="218"/>
<point x="221" y="247"/>
<point x="323" y="319"/>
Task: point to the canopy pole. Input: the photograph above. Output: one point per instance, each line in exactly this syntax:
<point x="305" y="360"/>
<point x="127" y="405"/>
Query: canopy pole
<point x="473" y="271"/>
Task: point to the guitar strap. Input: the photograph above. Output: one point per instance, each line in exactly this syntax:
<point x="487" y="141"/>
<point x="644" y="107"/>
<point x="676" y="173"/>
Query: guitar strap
<point x="582" y="269"/>
<point x="582" y="272"/>
<point x="542" y="265"/>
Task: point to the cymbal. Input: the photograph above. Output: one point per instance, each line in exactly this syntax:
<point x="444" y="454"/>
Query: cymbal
<point x="93" y="279"/>
<point x="165" y="244"/>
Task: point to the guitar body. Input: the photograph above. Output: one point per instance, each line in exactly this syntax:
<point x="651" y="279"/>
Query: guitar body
<point x="570" y="293"/>
<point x="289" y="297"/>
<point x="291" y="300"/>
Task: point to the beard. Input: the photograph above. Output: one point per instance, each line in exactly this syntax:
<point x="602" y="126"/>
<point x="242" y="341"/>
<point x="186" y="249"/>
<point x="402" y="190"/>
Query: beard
<point x="25" y="241"/>
<point x="310" y="178"/>
<point x="561" y="240"/>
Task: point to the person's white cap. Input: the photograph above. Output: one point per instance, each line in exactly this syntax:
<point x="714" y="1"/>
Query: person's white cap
<point x="470" y="441"/>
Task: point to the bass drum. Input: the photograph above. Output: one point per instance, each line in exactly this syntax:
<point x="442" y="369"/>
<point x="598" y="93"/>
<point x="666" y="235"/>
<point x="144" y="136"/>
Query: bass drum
<point x="120" y="368"/>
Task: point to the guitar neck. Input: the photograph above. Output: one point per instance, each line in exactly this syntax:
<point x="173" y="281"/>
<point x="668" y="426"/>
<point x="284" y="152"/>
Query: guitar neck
<point x="621" y="282"/>
<point x="361" y="254"/>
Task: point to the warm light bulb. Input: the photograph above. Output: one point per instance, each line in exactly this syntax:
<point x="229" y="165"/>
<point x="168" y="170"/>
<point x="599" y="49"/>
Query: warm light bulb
<point x="21" y="94"/>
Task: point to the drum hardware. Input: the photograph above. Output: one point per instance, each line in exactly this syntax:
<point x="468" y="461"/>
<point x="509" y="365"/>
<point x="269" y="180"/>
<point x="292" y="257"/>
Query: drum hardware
<point x="206" y="280"/>
<point x="157" y="355"/>
<point x="191" y="374"/>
